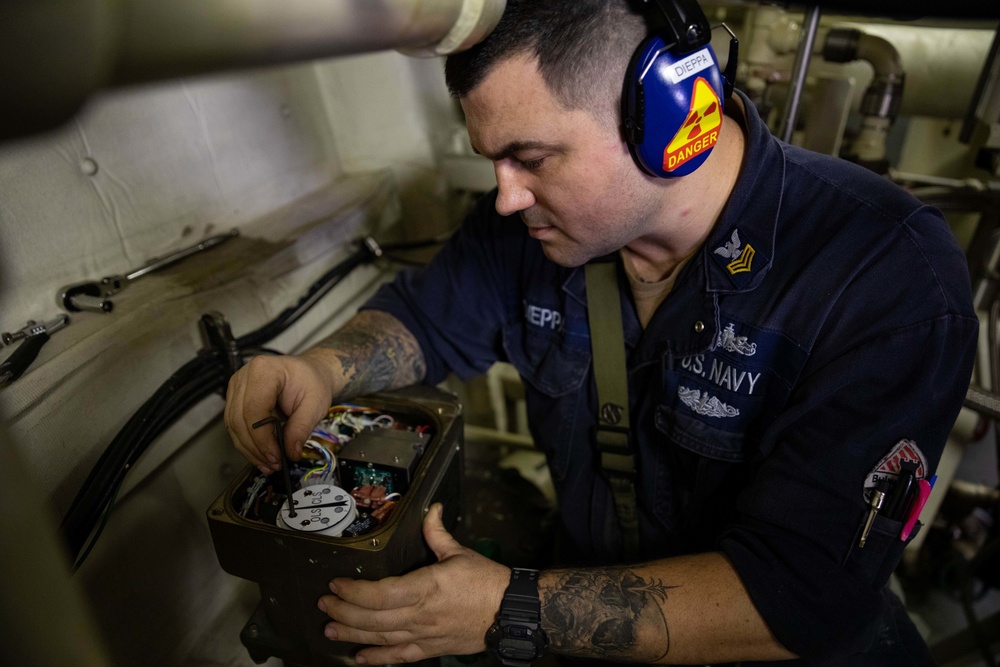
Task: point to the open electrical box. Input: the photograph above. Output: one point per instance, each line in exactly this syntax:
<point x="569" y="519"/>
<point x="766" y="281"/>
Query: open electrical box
<point x="358" y="499"/>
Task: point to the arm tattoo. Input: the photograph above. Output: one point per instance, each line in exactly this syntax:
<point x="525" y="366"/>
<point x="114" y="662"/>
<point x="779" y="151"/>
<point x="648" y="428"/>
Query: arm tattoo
<point x="605" y="613"/>
<point x="376" y="352"/>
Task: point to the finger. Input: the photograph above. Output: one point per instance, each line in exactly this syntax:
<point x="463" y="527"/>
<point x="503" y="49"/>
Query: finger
<point x="263" y="385"/>
<point x="345" y="632"/>
<point x="235" y="424"/>
<point x="391" y="655"/>
<point x="304" y="409"/>
<point x="385" y="594"/>
<point x="438" y="538"/>
<point x="351" y="623"/>
<point x="355" y="625"/>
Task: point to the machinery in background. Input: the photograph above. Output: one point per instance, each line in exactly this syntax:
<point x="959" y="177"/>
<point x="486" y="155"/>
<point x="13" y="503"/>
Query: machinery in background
<point x="355" y="509"/>
<point x="874" y="87"/>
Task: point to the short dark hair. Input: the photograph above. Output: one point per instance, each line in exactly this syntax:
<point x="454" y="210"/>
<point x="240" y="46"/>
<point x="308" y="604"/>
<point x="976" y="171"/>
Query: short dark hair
<point x="583" y="48"/>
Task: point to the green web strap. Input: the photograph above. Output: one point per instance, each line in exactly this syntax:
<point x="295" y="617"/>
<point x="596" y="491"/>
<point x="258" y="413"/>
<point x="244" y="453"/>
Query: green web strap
<point x="611" y="434"/>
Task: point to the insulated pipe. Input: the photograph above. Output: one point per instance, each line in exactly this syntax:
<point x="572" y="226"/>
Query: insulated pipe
<point x="942" y="64"/>
<point x="882" y="99"/>
<point x="53" y="54"/>
<point x="160" y="39"/>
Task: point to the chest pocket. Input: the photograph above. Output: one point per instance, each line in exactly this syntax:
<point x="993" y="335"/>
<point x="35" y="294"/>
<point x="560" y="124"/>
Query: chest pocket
<point x="553" y="372"/>
<point x="713" y="408"/>
<point x="701" y="418"/>
<point x="545" y="360"/>
<point x="712" y="403"/>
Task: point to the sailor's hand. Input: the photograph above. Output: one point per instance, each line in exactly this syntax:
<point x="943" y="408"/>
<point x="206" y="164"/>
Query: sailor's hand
<point x="442" y="609"/>
<point x="299" y="387"/>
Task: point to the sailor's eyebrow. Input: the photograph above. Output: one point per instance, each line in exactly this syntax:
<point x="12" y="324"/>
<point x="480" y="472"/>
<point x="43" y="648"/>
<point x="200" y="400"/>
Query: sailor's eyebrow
<point x="515" y="147"/>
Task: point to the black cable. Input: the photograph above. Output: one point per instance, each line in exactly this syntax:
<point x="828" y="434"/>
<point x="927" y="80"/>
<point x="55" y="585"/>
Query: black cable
<point x="419" y="243"/>
<point x="78" y="561"/>
<point x="170" y="401"/>
<point x="196" y="380"/>
<point x="404" y="261"/>
<point x="98" y="485"/>
<point x="404" y="246"/>
<point x="258" y="351"/>
<point x="99" y="512"/>
<point x="178" y="404"/>
<point x="316" y="291"/>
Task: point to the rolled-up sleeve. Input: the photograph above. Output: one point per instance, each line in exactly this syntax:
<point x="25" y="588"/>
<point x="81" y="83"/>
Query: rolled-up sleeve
<point x="455" y="306"/>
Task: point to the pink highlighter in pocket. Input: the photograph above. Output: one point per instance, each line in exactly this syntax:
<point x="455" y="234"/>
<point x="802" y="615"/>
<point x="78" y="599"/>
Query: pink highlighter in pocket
<point x="923" y="493"/>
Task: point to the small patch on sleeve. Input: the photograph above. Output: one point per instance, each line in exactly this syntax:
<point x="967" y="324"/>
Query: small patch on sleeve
<point x="890" y="465"/>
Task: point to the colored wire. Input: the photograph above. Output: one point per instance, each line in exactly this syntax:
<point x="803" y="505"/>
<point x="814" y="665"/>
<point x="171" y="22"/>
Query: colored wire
<point x="252" y="493"/>
<point x="327" y="435"/>
<point x="326" y="470"/>
<point x="415" y="245"/>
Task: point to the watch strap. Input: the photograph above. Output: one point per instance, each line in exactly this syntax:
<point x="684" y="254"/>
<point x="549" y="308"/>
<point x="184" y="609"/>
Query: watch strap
<point x="521" y="596"/>
<point x="518" y="637"/>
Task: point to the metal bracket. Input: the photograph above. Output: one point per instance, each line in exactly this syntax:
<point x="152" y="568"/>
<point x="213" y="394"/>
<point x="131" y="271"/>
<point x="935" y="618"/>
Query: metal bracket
<point x="218" y="337"/>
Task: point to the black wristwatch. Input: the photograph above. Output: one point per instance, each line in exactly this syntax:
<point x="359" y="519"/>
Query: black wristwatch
<point x="516" y="637"/>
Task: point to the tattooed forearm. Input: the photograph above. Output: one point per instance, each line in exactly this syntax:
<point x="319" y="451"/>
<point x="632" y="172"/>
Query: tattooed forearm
<point x="608" y="613"/>
<point x="376" y="352"/>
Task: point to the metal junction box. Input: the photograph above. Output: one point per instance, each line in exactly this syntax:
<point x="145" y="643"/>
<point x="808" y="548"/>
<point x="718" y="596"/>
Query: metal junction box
<point x="293" y="568"/>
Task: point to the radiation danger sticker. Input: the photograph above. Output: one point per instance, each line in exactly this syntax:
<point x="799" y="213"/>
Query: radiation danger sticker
<point x="700" y="130"/>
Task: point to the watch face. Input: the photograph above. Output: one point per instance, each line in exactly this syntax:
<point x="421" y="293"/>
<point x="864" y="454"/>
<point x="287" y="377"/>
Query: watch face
<point x="518" y="649"/>
<point x="515" y="644"/>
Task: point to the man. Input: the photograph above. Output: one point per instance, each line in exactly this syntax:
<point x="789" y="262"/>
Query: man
<point x="764" y="396"/>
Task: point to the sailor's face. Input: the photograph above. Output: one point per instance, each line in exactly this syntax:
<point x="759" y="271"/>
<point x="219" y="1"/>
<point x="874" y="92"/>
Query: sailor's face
<point x="568" y="175"/>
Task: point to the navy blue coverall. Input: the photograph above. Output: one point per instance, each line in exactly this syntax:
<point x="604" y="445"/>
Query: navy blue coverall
<point x="823" y="333"/>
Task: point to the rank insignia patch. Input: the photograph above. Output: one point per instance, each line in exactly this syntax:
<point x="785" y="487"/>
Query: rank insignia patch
<point x="739" y="257"/>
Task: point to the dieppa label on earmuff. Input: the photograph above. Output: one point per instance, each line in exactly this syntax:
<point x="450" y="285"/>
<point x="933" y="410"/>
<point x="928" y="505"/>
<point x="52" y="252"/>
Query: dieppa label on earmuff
<point x="694" y="63"/>
<point x="700" y="131"/>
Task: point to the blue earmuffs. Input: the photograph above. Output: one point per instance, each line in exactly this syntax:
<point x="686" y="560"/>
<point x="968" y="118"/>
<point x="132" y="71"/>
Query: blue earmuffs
<point x="672" y="107"/>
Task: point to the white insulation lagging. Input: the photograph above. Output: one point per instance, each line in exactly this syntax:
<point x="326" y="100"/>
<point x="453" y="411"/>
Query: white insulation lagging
<point x="56" y="54"/>
<point x="942" y="64"/>
<point x="198" y="35"/>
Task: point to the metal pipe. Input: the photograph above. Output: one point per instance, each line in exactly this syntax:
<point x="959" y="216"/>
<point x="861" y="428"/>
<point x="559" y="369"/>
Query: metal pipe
<point x="986" y="88"/>
<point x="799" y="70"/>
<point x="882" y="98"/>
<point x="54" y="54"/>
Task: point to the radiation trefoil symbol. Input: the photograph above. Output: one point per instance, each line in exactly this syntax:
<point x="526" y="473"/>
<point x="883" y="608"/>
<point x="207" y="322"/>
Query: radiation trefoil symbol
<point x="700" y="130"/>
